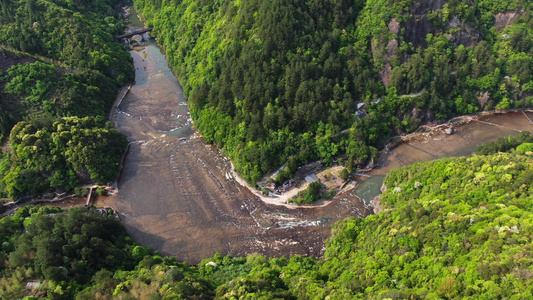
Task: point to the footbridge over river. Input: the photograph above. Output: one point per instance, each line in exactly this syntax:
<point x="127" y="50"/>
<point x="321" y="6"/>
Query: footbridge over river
<point x="130" y="34"/>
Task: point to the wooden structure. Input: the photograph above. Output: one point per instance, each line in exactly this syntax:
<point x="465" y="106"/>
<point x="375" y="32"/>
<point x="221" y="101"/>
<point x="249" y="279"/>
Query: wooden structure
<point x="89" y="196"/>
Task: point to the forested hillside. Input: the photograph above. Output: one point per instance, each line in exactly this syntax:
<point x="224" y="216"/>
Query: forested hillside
<point x="60" y="69"/>
<point x="78" y="34"/>
<point x="68" y="250"/>
<point x="454" y="228"/>
<point x="275" y="81"/>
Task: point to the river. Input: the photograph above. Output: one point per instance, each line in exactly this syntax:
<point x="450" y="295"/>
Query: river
<point x="437" y="144"/>
<point x="178" y="195"/>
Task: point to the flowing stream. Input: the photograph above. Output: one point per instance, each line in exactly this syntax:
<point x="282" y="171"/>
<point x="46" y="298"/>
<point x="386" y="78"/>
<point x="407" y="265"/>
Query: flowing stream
<point x="178" y="195"/>
<point x="438" y="144"/>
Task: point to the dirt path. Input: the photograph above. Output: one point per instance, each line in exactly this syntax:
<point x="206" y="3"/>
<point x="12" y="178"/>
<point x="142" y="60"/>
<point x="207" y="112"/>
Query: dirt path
<point x="282" y="200"/>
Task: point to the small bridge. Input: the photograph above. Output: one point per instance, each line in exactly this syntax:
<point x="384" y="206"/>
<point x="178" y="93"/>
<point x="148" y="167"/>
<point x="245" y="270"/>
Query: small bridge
<point x="89" y="196"/>
<point x="130" y="34"/>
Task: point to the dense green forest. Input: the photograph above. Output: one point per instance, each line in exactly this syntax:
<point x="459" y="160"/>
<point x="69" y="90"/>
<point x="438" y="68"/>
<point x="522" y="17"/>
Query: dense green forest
<point x="60" y="69"/>
<point x="454" y="228"/>
<point x="77" y="34"/>
<point x="276" y="81"/>
<point x="61" y="155"/>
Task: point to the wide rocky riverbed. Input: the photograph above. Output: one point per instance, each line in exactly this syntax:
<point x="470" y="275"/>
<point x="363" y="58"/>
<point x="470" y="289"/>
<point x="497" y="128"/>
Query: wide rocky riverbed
<point x="177" y="194"/>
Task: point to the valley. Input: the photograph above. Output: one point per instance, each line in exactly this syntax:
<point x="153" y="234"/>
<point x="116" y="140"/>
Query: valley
<point x="179" y="195"/>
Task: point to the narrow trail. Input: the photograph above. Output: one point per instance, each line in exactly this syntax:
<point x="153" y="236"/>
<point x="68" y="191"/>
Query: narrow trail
<point x="377" y="100"/>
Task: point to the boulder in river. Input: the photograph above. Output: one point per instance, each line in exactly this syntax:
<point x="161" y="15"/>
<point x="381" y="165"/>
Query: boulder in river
<point x="138" y="38"/>
<point x="449" y="130"/>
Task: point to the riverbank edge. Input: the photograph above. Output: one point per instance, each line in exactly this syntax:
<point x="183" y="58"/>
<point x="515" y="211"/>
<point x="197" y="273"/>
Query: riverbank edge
<point x="458" y="121"/>
<point x="429" y="130"/>
<point x="422" y="131"/>
<point x="350" y="184"/>
<point x="11" y="207"/>
<point x="121" y="94"/>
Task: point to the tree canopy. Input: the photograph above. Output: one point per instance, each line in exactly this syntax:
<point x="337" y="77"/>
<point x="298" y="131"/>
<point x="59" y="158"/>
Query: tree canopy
<point x="61" y="155"/>
<point x="60" y="69"/>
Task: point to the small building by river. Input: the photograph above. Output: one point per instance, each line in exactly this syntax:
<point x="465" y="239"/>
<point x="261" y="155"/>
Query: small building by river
<point x="311" y="178"/>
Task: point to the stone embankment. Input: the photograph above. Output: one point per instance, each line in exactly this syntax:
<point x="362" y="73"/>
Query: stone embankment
<point x="118" y="100"/>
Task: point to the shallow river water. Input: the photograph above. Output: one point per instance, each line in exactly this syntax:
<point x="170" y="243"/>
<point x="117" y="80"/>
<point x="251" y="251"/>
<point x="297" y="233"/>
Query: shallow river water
<point x="438" y="144"/>
<point x="177" y="194"/>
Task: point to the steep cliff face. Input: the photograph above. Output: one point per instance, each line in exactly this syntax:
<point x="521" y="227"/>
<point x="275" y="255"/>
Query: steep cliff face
<point x="428" y="17"/>
<point x="504" y="19"/>
<point x="418" y="25"/>
<point x="461" y="33"/>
